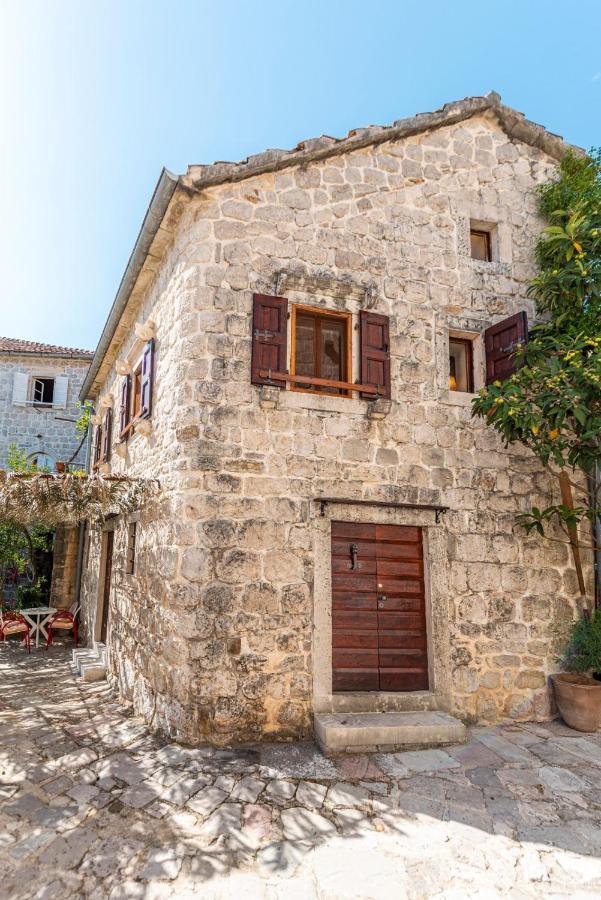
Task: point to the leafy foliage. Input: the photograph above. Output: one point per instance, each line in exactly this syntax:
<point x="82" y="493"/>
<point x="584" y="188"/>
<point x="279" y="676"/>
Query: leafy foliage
<point x="552" y="403"/>
<point x="584" y="648"/>
<point x="86" y="410"/>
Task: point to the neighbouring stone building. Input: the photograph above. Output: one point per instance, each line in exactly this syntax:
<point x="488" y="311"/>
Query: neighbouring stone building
<point x="39" y="390"/>
<point x="316" y="547"/>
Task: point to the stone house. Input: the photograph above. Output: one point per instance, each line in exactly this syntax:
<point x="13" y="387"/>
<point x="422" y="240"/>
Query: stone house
<point x="39" y="389"/>
<point x="292" y="353"/>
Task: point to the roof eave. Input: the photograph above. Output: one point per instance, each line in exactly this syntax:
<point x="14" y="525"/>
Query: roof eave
<point x="155" y="213"/>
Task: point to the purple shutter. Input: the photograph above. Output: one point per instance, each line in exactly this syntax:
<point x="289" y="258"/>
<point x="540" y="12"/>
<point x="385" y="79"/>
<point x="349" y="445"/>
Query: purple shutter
<point x="147" y="380"/>
<point x="97" y="445"/>
<point x="124" y="394"/>
<point x="375" y="352"/>
<point x="500" y="341"/>
<point x="269" y="337"/>
<point x="107" y="435"/>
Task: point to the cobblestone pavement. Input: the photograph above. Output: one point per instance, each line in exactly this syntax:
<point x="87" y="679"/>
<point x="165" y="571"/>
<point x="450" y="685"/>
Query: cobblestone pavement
<point x="92" y="805"/>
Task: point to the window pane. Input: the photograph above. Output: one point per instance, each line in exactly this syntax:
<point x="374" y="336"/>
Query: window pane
<point x="305" y="346"/>
<point x="460" y="366"/>
<point x="43" y="390"/>
<point x="480" y="245"/>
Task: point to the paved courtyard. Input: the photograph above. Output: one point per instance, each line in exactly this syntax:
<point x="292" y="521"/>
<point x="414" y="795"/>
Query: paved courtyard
<point x="92" y="805"/>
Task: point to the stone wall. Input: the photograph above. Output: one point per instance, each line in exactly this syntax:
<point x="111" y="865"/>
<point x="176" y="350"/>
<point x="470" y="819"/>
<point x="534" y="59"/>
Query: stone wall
<point x="64" y="567"/>
<point x="37" y="429"/>
<point x="213" y="635"/>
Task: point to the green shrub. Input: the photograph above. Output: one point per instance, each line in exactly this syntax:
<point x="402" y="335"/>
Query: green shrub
<point x="584" y="649"/>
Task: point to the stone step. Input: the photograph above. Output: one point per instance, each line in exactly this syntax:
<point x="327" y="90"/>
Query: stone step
<point x="82" y="655"/>
<point x="371" y="732"/>
<point x="93" y="672"/>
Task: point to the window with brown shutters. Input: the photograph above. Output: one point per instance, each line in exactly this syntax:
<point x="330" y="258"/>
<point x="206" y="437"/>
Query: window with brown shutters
<point x="375" y="352"/>
<point x="500" y="343"/>
<point x="124" y="404"/>
<point x="107" y="435"/>
<point x="269" y="338"/>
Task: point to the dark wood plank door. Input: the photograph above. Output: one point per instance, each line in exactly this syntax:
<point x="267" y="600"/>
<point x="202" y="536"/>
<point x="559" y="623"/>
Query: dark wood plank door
<point x="106" y="590"/>
<point x="379" y="638"/>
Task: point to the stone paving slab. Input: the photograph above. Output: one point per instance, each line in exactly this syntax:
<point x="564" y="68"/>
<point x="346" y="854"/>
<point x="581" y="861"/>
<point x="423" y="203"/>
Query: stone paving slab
<point x="92" y="805"/>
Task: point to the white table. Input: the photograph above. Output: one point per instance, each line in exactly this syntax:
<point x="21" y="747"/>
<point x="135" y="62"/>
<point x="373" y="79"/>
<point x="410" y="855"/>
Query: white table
<point x="38" y="617"/>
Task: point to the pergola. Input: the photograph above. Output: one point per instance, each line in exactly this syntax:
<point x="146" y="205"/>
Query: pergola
<point x="65" y="499"/>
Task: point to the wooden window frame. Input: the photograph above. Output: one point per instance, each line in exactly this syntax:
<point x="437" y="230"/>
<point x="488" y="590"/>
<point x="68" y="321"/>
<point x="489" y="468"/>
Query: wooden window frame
<point x="42" y="379"/>
<point x="135" y="391"/>
<point x="319" y="311"/>
<point x="469" y="348"/>
<point x="482" y="232"/>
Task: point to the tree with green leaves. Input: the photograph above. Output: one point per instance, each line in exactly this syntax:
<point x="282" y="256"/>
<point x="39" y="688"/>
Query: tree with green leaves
<point x="552" y="402"/>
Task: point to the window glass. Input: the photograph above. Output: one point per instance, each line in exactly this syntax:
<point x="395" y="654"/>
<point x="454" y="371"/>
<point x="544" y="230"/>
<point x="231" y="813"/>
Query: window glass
<point x="43" y="390"/>
<point x="461" y="376"/>
<point x="320" y="349"/>
<point x="480" y="245"/>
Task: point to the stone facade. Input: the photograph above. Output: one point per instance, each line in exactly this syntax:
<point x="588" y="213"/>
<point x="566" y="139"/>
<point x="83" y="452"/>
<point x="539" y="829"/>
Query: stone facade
<point x="222" y="633"/>
<point x="39" y="429"/>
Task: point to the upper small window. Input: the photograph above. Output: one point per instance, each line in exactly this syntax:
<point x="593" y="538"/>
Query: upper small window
<point x="461" y="365"/>
<point x="321" y="349"/>
<point x="480" y="245"/>
<point x="42" y="391"/>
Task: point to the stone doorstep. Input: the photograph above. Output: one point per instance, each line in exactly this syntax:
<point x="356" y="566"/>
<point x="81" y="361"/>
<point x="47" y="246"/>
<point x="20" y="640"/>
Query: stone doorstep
<point x="359" y="732"/>
<point x="93" y="671"/>
<point x="87" y="658"/>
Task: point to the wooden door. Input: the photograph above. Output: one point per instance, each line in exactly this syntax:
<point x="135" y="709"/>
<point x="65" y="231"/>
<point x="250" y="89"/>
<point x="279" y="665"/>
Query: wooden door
<point x="106" y="588"/>
<point x="379" y="640"/>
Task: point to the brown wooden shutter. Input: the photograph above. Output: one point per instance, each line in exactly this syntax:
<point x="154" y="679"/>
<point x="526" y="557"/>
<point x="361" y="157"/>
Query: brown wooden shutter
<point x="147" y="380"/>
<point x="107" y="435"/>
<point x="500" y="342"/>
<point x="269" y="337"/>
<point x="375" y="352"/>
<point x="97" y="445"/>
<point x="124" y="395"/>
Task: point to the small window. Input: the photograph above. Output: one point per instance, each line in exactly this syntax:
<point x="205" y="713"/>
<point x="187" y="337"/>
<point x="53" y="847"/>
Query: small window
<point x="321" y="349"/>
<point x="42" y="391"/>
<point x="461" y="365"/>
<point x="480" y="245"/>
<point x="130" y="560"/>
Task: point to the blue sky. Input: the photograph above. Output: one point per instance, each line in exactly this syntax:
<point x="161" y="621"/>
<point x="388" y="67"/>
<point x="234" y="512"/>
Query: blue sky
<point x="97" y="95"/>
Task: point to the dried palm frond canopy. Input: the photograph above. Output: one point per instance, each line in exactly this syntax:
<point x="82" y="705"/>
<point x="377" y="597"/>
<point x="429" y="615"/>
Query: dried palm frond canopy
<point x="51" y="500"/>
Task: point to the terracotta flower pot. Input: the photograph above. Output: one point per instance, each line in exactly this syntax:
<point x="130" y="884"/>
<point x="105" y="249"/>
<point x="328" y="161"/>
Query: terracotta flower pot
<point x="60" y="467"/>
<point x="579" y="700"/>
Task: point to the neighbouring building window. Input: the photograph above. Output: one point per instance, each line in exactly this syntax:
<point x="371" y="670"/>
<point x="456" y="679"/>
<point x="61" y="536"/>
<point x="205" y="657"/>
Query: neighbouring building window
<point x="130" y="561"/>
<point x="42" y="390"/>
<point x="461" y="365"/>
<point x="321" y="344"/>
<point x="480" y="245"/>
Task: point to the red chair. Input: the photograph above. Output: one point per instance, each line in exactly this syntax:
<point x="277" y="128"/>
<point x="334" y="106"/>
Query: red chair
<point x="62" y="620"/>
<point x="14" y="623"/>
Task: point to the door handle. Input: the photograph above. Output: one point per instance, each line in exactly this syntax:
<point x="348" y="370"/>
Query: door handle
<point x="354" y="556"/>
<point x="382" y="598"/>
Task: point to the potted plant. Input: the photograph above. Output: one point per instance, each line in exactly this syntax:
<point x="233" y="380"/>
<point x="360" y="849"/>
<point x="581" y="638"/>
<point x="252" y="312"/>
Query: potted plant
<point x="60" y="467"/>
<point x="577" y="691"/>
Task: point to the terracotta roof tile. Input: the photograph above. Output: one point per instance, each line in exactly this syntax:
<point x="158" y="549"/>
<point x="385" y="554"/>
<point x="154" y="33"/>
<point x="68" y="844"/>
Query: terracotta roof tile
<point x="18" y="346"/>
